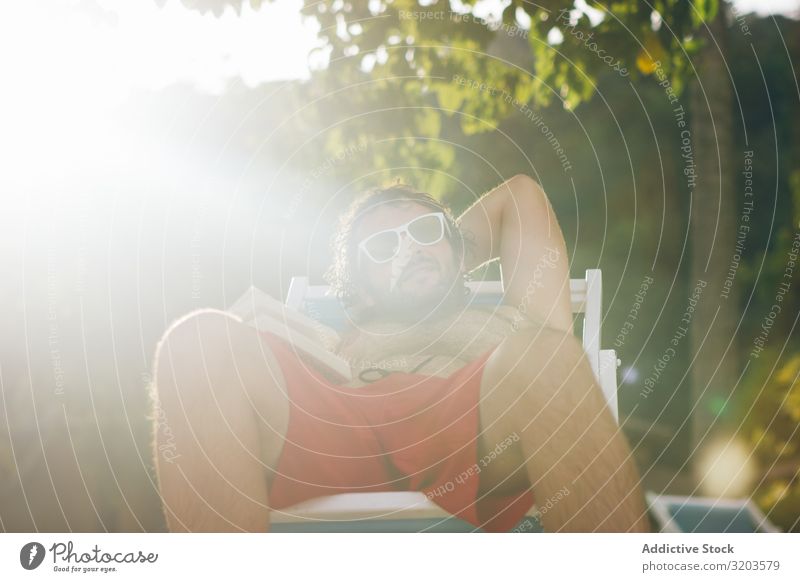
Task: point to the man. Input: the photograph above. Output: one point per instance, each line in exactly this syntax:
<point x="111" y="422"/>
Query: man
<point x="486" y="410"/>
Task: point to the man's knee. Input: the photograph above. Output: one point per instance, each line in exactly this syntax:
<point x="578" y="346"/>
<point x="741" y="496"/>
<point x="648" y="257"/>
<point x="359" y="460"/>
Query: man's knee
<point x="544" y="344"/>
<point x="213" y="372"/>
<point x="193" y="334"/>
<point x="535" y="365"/>
<point x="542" y="348"/>
<point x="209" y="348"/>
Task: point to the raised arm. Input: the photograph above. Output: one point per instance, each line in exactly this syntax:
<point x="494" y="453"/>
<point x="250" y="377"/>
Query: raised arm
<point x="516" y="223"/>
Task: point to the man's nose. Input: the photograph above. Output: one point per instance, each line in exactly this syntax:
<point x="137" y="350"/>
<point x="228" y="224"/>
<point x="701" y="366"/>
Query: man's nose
<point x="413" y="246"/>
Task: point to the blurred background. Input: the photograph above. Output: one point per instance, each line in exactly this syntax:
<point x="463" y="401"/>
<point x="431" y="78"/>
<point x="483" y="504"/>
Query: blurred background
<point x="161" y="156"/>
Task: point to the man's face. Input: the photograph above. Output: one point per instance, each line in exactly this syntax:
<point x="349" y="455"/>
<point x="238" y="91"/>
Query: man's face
<point x="424" y="276"/>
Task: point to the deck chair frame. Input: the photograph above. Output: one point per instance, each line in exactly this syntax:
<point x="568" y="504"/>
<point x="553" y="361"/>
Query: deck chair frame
<point x="397" y="506"/>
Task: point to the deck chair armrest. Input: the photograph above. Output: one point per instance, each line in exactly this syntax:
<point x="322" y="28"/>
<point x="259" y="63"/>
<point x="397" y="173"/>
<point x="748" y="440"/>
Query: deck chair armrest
<point x="607" y="374"/>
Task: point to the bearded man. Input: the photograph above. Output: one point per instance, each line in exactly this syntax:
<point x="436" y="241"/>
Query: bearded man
<point x="487" y="409"/>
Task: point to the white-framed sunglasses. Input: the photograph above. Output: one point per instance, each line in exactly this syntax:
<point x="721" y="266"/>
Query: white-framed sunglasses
<point x="383" y="246"/>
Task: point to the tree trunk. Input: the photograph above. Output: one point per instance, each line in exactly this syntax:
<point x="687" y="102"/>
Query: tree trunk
<point x="715" y="210"/>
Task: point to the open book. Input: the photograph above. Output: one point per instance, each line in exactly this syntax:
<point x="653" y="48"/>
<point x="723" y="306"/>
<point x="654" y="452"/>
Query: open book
<point x="309" y="337"/>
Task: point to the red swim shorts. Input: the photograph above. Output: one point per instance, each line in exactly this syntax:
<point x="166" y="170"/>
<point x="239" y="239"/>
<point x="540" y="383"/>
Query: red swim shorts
<point x="404" y="432"/>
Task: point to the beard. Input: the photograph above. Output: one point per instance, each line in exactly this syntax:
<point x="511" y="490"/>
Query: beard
<point x="448" y="296"/>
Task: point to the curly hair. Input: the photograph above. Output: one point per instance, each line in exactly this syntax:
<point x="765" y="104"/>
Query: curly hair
<point x="342" y="275"/>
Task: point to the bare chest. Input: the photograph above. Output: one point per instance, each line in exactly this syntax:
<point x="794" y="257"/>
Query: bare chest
<point x="434" y="349"/>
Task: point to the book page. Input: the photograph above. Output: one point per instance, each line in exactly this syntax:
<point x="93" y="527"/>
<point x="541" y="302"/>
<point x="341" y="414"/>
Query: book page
<point x="309" y="337"/>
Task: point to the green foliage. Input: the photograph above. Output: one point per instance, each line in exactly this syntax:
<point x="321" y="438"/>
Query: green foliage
<point x="769" y="406"/>
<point x="432" y="56"/>
<point x="394" y="56"/>
<point x="216" y="7"/>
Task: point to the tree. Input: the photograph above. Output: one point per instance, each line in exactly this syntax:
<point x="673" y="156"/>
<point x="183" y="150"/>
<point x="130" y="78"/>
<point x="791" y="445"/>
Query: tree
<point x="714" y="215"/>
<point x="438" y="49"/>
<point x="429" y="67"/>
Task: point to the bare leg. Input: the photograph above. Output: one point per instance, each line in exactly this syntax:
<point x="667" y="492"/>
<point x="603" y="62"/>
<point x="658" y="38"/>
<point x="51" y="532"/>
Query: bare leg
<point x="539" y="385"/>
<point x="221" y="414"/>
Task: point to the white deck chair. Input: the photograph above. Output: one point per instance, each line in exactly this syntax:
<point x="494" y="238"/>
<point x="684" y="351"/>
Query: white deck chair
<point x="412" y="510"/>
